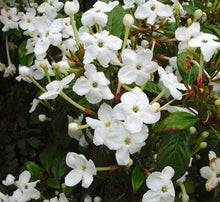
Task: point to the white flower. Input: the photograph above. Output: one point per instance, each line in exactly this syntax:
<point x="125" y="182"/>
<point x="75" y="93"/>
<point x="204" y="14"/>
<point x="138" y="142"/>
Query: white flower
<point x="207" y="44"/>
<point x="151" y="10"/>
<point x="161" y="186"/>
<point x="55" y="199"/>
<point x="9" y="18"/>
<point x="101" y="46"/>
<point x="170" y="82"/>
<point x="26" y="188"/>
<point x="71" y="7"/>
<point x="82" y="170"/>
<point x="96" y="15"/>
<point x="128" y="143"/>
<point x="136" y="67"/>
<point x="9" y="71"/>
<point x="94" y="86"/>
<point x="135" y="110"/>
<point x="55" y="87"/>
<point x="128" y="4"/>
<point x="27" y="20"/>
<point x="63" y="66"/>
<point x="10" y="179"/>
<point x="105" y="127"/>
<point x="173" y="68"/>
<point x="50" y="8"/>
<point x="67" y="28"/>
<point x="184" y="34"/>
<point x="211" y="172"/>
<point x="34" y="105"/>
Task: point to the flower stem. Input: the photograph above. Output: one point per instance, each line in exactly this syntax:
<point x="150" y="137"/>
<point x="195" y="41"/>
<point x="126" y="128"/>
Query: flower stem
<point x="126" y="87"/>
<point x="106" y="168"/>
<point x="160" y="95"/>
<point x="80" y="127"/>
<point x="64" y="51"/>
<point x="127" y="29"/>
<point x="44" y="67"/>
<point x="68" y="99"/>
<point x="76" y="34"/>
<point x="37" y="84"/>
<point x="201" y="63"/>
<point x="7" y="51"/>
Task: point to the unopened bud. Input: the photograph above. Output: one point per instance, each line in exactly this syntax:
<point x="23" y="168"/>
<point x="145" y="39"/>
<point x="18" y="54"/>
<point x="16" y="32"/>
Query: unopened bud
<point x="185" y="197"/>
<point x="192" y="130"/>
<point x="10" y="179"/>
<point x="72" y="127"/>
<point x="203" y="145"/>
<point x="197" y="14"/>
<point x="63" y="66"/>
<point x="144" y="43"/>
<point x="97" y="199"/>
<point x="217" y="102"/>
<point x="130" y="163"/>
<point x="205" y="134"/>
<point x="63" y="186"/>
<point x="156" y="106"/>
<point x="71" y="7"/>
<point x="42" y="117"/>
<point x="24" y="71"/>
<point x="57" y="193"/>
<point x="128" y="20"/>
<point x="198" y="156"/>
<point x="189" y="21"/>
<point x="43" y="64"/>
<point x="209" y="4"/>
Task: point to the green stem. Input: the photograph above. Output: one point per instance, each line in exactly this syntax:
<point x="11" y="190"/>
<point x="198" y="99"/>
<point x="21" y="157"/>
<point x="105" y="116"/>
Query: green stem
<point x="201" y="63"/>
<point x="68" y="99"/>
<point x="37" y="84"/>
<point x="106" y="168"/>
<point x="80" y="127"/>
<point x="127" y="29"/>
<point x="64" y="51"/>
<point x="161" y="94"/>
<point x="75" y="31"/>
<point x="44" y="67"/>
<point x="126" y="87"/>
<point x="7" y="51"/>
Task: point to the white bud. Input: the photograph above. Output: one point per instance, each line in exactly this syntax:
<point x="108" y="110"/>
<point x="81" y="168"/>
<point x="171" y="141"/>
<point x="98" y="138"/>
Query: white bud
<point x="128" y="20"/>
<point x="203" y="145"/>
<point x="192" y="130"/>
<point x="97" y="199"/>
<point x="209" y="4"/>
<point x="156" y="106"/>
<point x="205" y="134"/>
<point x="185" y="197"/>
<point x="24" y="71"/>
<point x="63" y="66"/>
<point x="72" y="127"/>
<point x="204" y="17"/>
<point x="198" y="14"/>
<point x="10" y="179"/>
<point x="42" y="117"/>
<point x="71" y="7"/>
<point x="144" y="43"/>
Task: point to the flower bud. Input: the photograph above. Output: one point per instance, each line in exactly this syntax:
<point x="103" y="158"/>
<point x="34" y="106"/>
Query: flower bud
<point x="205" y="134"/>
<point x="10" y="179"/>
<point x="189" y="21"/>
<point x="97" y="199"/>
<point x="217" y="102"/>
<point x="72" y="127"/>
<point x="63" y="66"/>
<point x="57" y="193"/>
<point x="42" y="117"/>
<point x="198" y="156"/>
<point x="128" y="20"/>
<point x="204" y="17"/>
<point x="43" y="64"/>
<point x="197" y="14"/>
<point x="24" y="71"/>
<point x="192" y="130"/>
<point x="156" y="106"/>
<point x="185" y="197"/>
<point x="71" y="7"/>
<point x="144" y="43"/>
<point x="209" y="4"/>
<point x="203" y="145"/>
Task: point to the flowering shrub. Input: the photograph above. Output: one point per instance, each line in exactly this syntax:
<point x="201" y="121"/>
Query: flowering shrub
<point x="130" y="92"/>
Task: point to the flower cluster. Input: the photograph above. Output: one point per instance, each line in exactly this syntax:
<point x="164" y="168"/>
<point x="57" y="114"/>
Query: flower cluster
<point x="120" y="83"/>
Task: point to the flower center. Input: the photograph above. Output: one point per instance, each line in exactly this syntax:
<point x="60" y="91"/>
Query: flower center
<point x="57" y="90"/>
<point x="83" y="168"/>
<point x="138" y="67"/>
<point x="9" y="17"/>
<point x="26" y="187"/>
<point x="127" y="141"/>
<point x="204" y="41"/>
<point x="28" y="20"/>
<point x="100" y="44"/>
<point x="107" y="125"/>
<point x="153" y="8"/>
<point x="135" y="109"/>
<point x="164" y="189"/>
<point x="95" y="85"/>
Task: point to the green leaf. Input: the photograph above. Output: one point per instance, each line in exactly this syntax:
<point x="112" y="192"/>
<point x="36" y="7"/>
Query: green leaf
<point x="53" y="183"/>
<point x="152" y="87"/>
<point x="47" y="156"/>
<point x="33" y="168"/>
<point x="175" y="152"/>
<point x="115" y="24"/>
<point x="215" y="29"/>
<point x="24" y="59"/>
<point x="176" y="121"/>
<point x="186" y="69"/>
<point x="190" y="8"/>
<point x="58" y="167"/>
<point x="137" y="178"/>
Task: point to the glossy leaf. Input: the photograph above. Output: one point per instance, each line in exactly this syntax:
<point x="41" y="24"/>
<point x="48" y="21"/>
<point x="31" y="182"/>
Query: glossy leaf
<point x="24" y="59"/>
<point x="137" y="178"/>
<point x="33" y="168"/>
